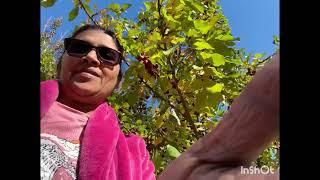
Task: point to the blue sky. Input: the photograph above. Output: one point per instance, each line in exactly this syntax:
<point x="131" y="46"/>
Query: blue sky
<point x="254" y="21"/>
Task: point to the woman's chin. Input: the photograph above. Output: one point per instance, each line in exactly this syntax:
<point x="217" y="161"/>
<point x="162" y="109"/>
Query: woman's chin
<point x="85" y="88"/>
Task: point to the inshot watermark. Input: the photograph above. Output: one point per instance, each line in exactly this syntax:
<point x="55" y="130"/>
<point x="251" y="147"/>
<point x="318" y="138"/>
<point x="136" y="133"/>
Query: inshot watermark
<point x="258" y="170"/>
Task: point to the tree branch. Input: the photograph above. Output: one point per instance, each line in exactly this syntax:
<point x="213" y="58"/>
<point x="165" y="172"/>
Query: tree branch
<point x="266" y="59"/>
<point x="186" y="113"/>
<point x="156" y="93"/>
<point x="159" y="8"/>
<point x="161" y="20"/>
<point x="82" y="6"/>
<point x="98" y="12"/>
<point x="160" y="96"/>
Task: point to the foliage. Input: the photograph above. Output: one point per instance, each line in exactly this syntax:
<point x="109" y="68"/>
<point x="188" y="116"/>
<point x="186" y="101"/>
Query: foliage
<point x="50" y="49"/>
<point x="183" y="72"/>
<point x="270" y="156"/>
<point x="47" y="3"/>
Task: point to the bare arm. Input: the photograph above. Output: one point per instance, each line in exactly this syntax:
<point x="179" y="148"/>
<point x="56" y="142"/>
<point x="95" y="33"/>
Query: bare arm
<point x="246" y="129"/>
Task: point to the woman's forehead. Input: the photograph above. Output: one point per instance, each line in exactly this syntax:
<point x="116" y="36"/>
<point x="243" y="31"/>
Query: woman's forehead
<point x="96" y="38"/>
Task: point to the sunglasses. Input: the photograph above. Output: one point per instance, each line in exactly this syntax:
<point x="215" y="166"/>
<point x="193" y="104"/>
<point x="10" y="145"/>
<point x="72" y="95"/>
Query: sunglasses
<point x="79" y="48"/>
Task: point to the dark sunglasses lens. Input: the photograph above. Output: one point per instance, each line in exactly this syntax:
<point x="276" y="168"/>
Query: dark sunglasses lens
<point x="108" y="55"/>
<point x="74" y="46"/>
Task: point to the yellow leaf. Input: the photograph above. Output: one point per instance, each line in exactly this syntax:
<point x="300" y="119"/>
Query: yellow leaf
<point x="154" y="58"/>
<point x="178" y="40"/>
<point x="200" y="45"/>
<point x="218" y="59"/>
<point x="155" y="36"/>
<point x="159" y="123"/>
<point x="216" y="88"/>
<point x="192" y="33"/>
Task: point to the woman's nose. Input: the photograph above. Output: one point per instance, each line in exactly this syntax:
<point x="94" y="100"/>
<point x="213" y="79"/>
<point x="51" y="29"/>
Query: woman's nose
<point x="92" y="58"/>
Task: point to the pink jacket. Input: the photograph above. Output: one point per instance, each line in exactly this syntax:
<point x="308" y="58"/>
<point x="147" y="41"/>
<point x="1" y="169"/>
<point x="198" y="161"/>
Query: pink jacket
<point x="105" y="152"/>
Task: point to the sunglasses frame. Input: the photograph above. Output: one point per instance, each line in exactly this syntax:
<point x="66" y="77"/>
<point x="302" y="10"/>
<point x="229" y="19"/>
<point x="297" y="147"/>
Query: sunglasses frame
<point x="67" y="43"/>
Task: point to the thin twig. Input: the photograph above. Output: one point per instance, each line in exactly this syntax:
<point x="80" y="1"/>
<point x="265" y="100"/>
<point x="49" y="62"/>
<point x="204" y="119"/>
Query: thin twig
<point x="266" y="59"/>
<point x="187" y="114"/>
<point x="45" y="26"/>
<point x="98" y="12"/>
<point x="82" y="6"/>
<point x="155" y="92"/>
<point x="159" y="8"/>
<point x="62" y="36"/>
<point x="161" y="20"/>
<point x="126" y="63"/>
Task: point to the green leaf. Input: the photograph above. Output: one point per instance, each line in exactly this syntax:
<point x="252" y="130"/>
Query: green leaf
<point x="155" y="14"/>
<point x="180" y="7"/>
<point x="138" y="122"/>
<point x="150" y="47"/>
<point x="133" y="33"/>
<point x="205" y="55"/>
<point x="159" y="123"/>
<point x="178" y="40"/>
<point x="157" y="159"/>
<point x="202" y="26"/>
<point x="148" y="5"/>
<point x="196" y="84"/>
<point x="214" y="99"/>
<point x="75" y="2"/>
<point x="115" y="8"/>
<point x="164" y="84"/>
<point x="201" y="44"/>
<point x="216" y="88"/>
<point x="192" y="33"/>
<point x="200" y="129"/>
<point x="218" y="59"/>
<point x="201" y="99"/>
<point x="132" y="99"/>
<point x="155" y="36"/>
<point x="154" y="58"/>
<point x="47" y="3"/>
<point x="169" y="51"/>
<point x="258" y="55"/>
<point x="197" y="67"/>
<point x="125" y="7"/>
<point x="196" y="5"/>
<point x="182" y="2"/>
<point x="226" y="37"/>
<point x="172" y="151"/>
<point x="170" y="18"/>
<point x="73" y="13"/>
<point x="235" y="75"/>
<point x="216" y="73"/>
<point x="86" y="6"/>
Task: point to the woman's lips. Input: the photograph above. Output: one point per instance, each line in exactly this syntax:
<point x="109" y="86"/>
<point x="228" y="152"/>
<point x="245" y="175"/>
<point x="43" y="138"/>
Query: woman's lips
<point x="90" y="71"/>
<point x="86" y="74"/>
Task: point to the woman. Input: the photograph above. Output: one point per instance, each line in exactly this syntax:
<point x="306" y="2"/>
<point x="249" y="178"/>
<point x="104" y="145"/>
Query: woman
<point x="80" y="134"/>
<point x="74" y="112"/>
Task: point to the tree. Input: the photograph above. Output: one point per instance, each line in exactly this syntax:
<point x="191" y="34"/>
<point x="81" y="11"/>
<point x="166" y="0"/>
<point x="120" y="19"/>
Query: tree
<point x="182" y="72"/>
<point x="50" y="49"/>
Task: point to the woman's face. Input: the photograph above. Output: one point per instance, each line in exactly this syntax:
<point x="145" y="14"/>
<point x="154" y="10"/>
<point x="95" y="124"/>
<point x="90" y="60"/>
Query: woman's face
<point x="86" y="79"/>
